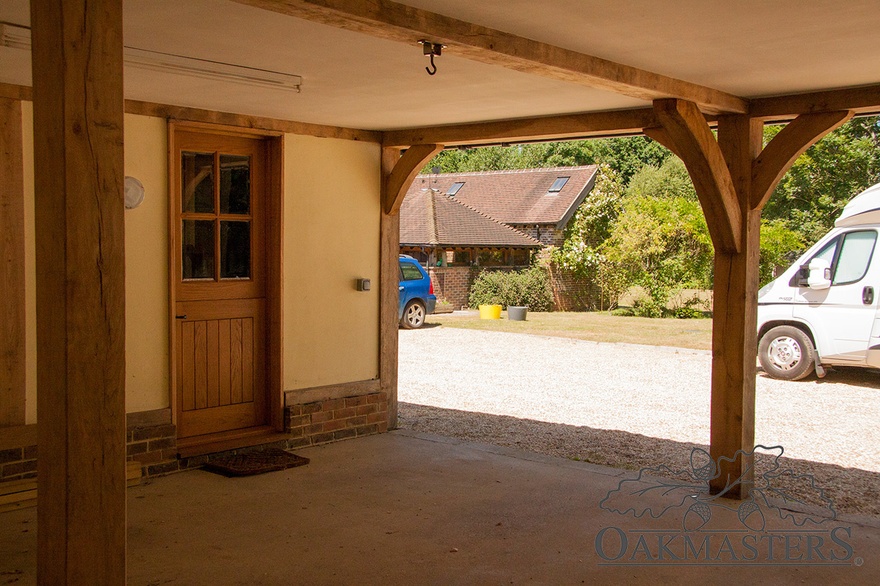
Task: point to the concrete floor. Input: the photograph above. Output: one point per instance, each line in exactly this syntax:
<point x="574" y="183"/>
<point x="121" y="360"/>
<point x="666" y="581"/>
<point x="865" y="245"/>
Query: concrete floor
<point x="406" y="508"/>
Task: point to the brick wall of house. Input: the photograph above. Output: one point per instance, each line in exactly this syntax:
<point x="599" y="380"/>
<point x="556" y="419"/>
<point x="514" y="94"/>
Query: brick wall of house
<point x="546" y="234"/>
<point x="155" y="446"/>
<point x="325" y="421"/>
<point x="453" y="284"/>
<point x="570" y="293"/>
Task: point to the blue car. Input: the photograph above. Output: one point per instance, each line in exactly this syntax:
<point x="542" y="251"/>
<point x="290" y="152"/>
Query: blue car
<point x="417" y="298"/>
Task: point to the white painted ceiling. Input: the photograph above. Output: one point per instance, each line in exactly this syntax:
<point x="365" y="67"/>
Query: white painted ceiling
<point x="749" y="48"/>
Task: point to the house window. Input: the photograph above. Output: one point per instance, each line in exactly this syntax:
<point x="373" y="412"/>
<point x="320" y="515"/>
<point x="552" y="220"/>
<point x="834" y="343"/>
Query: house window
<point x="558" y="184"/>
<point x="454" y="188"/>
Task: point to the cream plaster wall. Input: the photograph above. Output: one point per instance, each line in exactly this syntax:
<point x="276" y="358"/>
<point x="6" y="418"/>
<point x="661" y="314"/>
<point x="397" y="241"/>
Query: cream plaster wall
<point x="331" y="238"/>
<point x="147" y="364"/>
<point x="146" y="266"/>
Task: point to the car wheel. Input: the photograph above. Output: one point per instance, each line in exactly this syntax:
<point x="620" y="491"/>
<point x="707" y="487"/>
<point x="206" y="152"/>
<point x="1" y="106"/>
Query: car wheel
<point x="413" y="315"/>
<point x="786" y="352"/>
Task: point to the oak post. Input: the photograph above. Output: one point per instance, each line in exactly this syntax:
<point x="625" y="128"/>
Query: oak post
<point x="78" y="144"/>
<point x="12" y="249"/>
<point x="734" y="337"/>
<point x="389" y="249"/>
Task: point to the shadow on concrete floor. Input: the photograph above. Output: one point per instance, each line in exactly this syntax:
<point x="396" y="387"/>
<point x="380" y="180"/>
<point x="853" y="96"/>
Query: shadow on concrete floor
<point x="851" y="490"/>
<point x="409" y="508"/>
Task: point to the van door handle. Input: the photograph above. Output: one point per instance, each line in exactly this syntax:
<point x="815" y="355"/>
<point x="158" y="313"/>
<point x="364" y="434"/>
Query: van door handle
<point x="868" y="295"/>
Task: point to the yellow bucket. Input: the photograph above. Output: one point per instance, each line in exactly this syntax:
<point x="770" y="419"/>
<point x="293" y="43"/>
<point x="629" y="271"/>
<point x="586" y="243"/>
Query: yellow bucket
<point x="490" y="312"/>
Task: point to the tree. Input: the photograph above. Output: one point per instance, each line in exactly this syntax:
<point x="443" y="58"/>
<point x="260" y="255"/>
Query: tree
<point x="624" y="155"/>
<point x="820" y="183"/>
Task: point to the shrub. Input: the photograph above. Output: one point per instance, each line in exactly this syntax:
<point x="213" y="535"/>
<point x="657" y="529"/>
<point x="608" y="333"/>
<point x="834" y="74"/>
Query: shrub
<point x="530" y="288"/>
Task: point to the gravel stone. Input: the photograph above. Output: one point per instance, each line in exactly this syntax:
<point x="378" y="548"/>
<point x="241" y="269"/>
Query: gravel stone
<point x="632" y="406"/>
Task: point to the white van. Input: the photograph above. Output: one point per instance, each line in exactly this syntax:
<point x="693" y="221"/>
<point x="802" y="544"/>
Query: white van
<point x="822" y="311"/>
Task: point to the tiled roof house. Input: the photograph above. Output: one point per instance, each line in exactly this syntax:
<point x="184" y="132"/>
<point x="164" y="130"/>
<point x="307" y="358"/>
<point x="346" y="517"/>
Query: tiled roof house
<point x="493" y="217"/>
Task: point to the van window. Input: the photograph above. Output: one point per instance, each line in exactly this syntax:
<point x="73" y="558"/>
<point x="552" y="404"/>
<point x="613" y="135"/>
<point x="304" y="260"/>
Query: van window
<point x="854" y="258"/>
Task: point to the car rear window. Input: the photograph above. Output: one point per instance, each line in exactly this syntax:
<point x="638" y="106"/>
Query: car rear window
<point x="410" y="272"/>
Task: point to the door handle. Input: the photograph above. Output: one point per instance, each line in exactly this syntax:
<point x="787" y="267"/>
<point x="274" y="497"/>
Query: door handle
<point x="400" y="288"/>
<point x="868" y="295"/>
<point x="180" y="316"/>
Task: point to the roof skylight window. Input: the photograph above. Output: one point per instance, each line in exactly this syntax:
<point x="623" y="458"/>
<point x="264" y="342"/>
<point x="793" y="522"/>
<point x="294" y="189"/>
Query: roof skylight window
<point x="454" y="188"/>
<point x="558" y="184"/>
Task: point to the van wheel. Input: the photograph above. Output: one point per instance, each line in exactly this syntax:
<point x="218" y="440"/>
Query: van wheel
<point x="786" y="352"/>
<point x="413" y="315"/>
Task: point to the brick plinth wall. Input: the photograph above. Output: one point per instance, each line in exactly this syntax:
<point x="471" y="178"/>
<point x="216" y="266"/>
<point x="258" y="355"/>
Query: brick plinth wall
<point x="335" y="419"/>
<point x="155" y="446"/>
<point x="18" y="463"/>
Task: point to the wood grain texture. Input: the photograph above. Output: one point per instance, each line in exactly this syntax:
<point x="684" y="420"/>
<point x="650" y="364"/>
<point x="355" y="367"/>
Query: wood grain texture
<point x="13" y="325"/>
<point x="80" y="257"/>
<point x="661" y="136"/>
<point x="569" y="126"/>
<point x="693" y="141"/>
<point x="238" y="122"/>
<point x="389" y="297"/>
<point x="791" y="142"/>
<point x="404" y="172"/>
<point x="734" y="324"/>
<point x="864" y="100"/>
<point x="398" y="22"/>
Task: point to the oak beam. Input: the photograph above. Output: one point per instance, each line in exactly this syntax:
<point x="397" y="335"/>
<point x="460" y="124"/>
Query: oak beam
<point x="566" y="126"/>
<point x="734" y="321"/>
<point x="398" y="22"/>
<point x="864" y="100"/>
<point x="690" y="136"/>
<point x="13" y="324"/>
<point x="397" y="182"/>
<point x="389" y="296"/>
<point x="78" y="146"/>
<point x="791" y="142"/>
<point x="659" y="135"/>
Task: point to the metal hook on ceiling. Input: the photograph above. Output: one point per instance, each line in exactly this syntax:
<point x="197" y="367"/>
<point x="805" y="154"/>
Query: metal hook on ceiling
<point x="431" y="50"/>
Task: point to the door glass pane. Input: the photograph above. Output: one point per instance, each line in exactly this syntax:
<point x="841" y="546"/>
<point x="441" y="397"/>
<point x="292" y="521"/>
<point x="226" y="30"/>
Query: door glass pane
<point x="235" y="250"/>
<point x="855" y="255"/>
<point x="235" y="184"/>
<point x="198" y="249"/>
<point x="197" y="176"/>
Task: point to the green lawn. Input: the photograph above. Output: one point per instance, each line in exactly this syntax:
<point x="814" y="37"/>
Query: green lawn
<point x="595" y="326"/>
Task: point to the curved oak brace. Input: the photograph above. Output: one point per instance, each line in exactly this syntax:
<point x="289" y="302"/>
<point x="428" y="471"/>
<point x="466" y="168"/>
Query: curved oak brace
<point x="404" y="172"/>
<point x="692" y="140"/>
<point x="791" y="142"/>
<point x="661" y="136"/>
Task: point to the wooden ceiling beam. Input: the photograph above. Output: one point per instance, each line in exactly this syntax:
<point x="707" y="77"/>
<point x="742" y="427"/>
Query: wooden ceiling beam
<point x="861" y="100"/>
<point x="564" y="127"/>
<point x="397" y="22"/>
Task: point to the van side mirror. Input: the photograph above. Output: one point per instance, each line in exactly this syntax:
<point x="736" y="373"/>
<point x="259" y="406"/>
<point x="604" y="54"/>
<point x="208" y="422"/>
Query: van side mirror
<point x="819" y="274"/>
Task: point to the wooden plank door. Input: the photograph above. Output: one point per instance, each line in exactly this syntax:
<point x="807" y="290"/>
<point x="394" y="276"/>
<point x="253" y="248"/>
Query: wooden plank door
<point x="220" y="282"/>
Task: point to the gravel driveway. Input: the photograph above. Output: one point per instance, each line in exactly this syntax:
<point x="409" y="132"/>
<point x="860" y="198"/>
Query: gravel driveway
<point x="564" y="397"/>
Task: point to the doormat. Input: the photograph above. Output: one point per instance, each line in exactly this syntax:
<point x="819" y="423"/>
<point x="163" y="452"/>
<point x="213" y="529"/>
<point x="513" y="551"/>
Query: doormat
<point x="252" y="463"/>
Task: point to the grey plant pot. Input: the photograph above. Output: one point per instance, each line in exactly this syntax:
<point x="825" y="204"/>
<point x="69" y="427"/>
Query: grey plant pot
<point x="517" y="313"/>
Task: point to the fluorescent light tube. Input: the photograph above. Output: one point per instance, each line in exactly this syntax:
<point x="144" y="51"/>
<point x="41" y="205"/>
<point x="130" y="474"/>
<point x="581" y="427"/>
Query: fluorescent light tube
<point x="18" y="37"/>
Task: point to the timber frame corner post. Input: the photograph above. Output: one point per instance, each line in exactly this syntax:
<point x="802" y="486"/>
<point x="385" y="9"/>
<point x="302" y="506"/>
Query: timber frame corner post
<point x="78" y="108"/>
<point x="398" y="173"/>
<point x="734" y="178"/>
